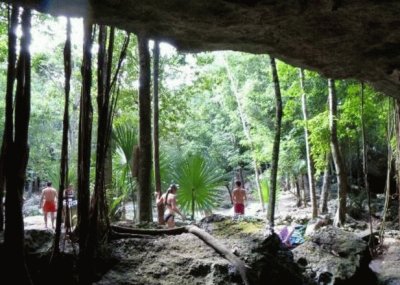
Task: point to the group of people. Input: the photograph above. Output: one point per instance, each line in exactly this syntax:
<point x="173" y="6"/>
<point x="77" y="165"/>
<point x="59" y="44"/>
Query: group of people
<point x="168" y="199"/>
<point x="48" y="201"/>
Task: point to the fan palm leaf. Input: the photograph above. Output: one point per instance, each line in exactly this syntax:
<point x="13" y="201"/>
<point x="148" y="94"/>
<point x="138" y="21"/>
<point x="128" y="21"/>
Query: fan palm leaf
<point x="125" y="138"/>
<point x="200" y="181"/>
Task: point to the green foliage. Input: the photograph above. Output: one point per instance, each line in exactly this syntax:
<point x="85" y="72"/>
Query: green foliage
<point x="265" y="190"/>
<point x="125" y="138"/>
<point x="200" y="181"/>
<point x="320" y="139"/>
<point x="54" y="176"/>
<point x="198" y="114"/>
<point x="123" y="188"/>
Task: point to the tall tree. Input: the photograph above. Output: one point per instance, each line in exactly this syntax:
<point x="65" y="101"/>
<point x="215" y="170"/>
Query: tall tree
<point x="156" y="143"/>
<point x="64" y="146"/>
<point x="246" y="130"/>
<point x="310" y="164"/>
<point x="145" y="144"/>
<point x="341" y="175"/>
<point x="17" y="154"/>
<point x="390" y="125"/>
<point x="84" y="153"/>
<point x="397" y="129"/>
<point x="99" y="222"/>
<point x="12" y="58"/>
<point x="365" y="160"/>
<point x="325" y="185"/>
<point x="276" y="145"/>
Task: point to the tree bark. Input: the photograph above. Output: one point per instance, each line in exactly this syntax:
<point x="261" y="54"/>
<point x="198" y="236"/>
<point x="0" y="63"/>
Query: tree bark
<point x="310" y="164"/>
<point x="17" y="154"/>
<point x="340" y="217"/>
<point x="157" y="176"/>
<point x="64" y="145"/>
<point x="11" y="67"/>
<point x="84" y="154"/>
<point x="298" y="192"/>
<point x="325" y="186"/>
<point x="145" y="144"/>
<point x="390" y="125"/>
<point x="276" y="145"/>
<point x="397" y="129"/>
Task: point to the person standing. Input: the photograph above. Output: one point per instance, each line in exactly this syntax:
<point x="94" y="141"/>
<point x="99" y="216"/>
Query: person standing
<point x="169" y="200"/>
<point x="69" y="204"/>
<point x="48" y="203"/>
<point x="239" y="198"/>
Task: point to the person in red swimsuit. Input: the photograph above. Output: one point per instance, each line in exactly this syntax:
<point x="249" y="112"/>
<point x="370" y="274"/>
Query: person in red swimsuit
<point x="239" y="197"/>
<point x="48" y="203"/>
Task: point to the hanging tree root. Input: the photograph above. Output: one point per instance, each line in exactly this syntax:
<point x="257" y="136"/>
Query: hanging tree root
<point x="201" y="234"/>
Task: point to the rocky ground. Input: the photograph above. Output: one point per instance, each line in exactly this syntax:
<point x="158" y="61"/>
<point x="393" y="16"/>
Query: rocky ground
<point x="327" y="255"/>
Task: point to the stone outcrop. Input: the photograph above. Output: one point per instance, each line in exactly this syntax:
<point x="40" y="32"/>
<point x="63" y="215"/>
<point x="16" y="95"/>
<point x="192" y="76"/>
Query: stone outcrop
<point x="386" y="266"/>
<point x="341" y="39"/>
<point x="334" y="256"/>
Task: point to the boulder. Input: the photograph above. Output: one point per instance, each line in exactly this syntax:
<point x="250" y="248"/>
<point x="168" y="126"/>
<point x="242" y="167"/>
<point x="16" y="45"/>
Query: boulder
<point x="332" y="255"/>
<point x="386" y="266"/>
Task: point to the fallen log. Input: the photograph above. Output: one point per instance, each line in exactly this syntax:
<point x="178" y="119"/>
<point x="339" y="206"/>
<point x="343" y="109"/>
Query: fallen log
<point x="201" y="234"/>
<point x="117" y="235"/>
<point x="151" y="232"/>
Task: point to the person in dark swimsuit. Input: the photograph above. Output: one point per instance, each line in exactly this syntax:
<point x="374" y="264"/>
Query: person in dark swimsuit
<point x="169" y="200"/>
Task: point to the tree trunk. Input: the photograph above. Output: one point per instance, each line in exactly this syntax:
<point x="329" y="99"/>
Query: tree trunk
<point x="390" y="125"/>
<point x="110" y="88"/>
<point x="310" y="164"/>
<point x="17" y="154"/>
<point x="12" y="58"/>
<point x="304" y="190"/>
<point x="157" y="176"/>
<point x="84" y="154"/>
<point x="275" y="149"/>
<point x="397" y="129"/>
<point x="340" y="217"/>
<point x="64" y="145"/>
<point x="298" y="192"/>
<point x="145" y="144"/>
<point x="365" y="166"/>
<point x="325" y="186"/>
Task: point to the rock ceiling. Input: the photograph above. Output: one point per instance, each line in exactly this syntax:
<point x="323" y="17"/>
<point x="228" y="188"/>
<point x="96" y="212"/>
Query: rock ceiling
<point x="339" y="38"/>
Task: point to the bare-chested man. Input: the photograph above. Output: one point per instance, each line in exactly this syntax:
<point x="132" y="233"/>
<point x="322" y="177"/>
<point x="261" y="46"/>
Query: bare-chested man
<point x="48" y="202"/>
<point x="239" y="197"/>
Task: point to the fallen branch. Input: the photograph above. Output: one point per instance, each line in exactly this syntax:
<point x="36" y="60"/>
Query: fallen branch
<point x="117" y="235"/>
<point x="201" y="234"/>
<point x="150" y="232"/>
<point x="222" y="250"/>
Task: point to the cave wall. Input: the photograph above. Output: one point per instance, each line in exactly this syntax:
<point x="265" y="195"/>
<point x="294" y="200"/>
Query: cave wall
<point x="340" y="39"/>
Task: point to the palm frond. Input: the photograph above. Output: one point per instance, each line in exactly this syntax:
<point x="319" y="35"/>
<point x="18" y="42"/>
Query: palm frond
<point x="200" y="183"/>
<point x="125" y="137"/>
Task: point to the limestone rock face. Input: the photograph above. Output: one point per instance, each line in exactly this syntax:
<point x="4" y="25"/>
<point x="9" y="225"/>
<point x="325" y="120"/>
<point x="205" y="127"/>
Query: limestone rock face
<point x="333" y="255"/>
<point x="341" y="39"/>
